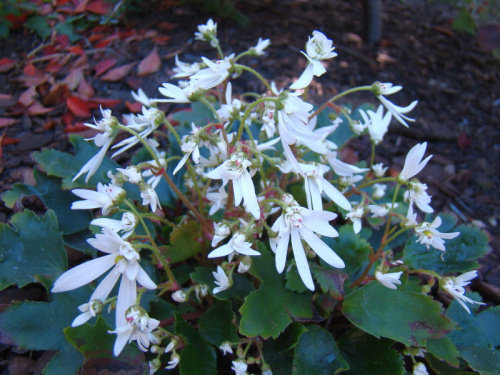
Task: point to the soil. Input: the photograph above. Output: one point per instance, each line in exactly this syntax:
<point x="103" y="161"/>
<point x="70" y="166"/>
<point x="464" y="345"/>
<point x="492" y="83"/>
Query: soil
<point x="453" y="75"/>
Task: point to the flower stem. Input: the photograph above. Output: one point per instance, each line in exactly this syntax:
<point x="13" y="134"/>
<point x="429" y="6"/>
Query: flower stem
<point x="255" y="73"/>
<point x="336" y="97"/>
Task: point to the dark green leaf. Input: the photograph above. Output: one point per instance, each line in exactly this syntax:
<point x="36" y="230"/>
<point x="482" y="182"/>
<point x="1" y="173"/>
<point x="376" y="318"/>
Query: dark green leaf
<point x="290" y="337"/>
<point x="33" y="246"/>
<point x="461" y="254"/>
<point x="294" y="282"/>
<point x="198" y="356"/>
<point x="269" y="310"/>
<point x="241" y="286"/>
<point x="78" y="241"/>
<point x="317" y="353"/>
<point x="330" y="280"/>
<point x="368" y="355"/>
<point x="280" y="362"/>
<point x="39" y="25"/>
<point x="200" y="114"/>
<point x="216" y="324"/>
<point x="407" y="317"/>
<point x="444" y="349"/>
<point x="485" y="361"/>
<point x="184" y="243"/>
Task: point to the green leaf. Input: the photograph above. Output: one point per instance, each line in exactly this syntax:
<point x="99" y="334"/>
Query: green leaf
<point x="354" y="251"/>
<point x="96" y="344"/>
<point x="200" y="114"/>
<point x="485" y="361"/>
<point x="290" y="337"/>
<point x="184" y="242"/>
<point x="317" y="354"/>
<point x="461" y="254"/>
<point x="330" y="280"/>
<point x="464" y="22"/>
<point x="66" y="166"/>
<point x="368" y="355"/>
<point x="39" y="25"/>
<point x="481" y="329"/>
<point x="216" y="324"/>
<point x="441" y="367"/>
<point x="269" y="310"/>
<point x="407" y="317"/>
<point x="280" y="362"/>
<point x="294" y="282"/>
<point x="78" y="241"/>
<point x="444" y="349"/>
<point x="40" y="325"/>
<point x="198" y="356"/>
<point x="49" y="190"/>
<point x="33" y="246"/>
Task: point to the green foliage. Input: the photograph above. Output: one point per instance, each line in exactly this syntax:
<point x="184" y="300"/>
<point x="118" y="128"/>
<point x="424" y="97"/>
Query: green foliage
<point x="368" y="355"/>
<point x="462" y="252"/>
<point x="32" y="246"/>
<point x="184" y="243"/>
<point x="269" y="310"/>
<point x="216" y="324"/>
<point x="407" y="317"/>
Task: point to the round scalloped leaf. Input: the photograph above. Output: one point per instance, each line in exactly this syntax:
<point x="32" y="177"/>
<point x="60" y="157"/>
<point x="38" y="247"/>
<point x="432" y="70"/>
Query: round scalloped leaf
<point x="216" y="324"/>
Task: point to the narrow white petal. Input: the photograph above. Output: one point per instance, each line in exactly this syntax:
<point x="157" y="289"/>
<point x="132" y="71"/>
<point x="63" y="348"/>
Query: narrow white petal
<point x="105" y="286"/>
<point x="121" y="340"/>
<point x="336" y="196"/>
<point x="319" y="226"/>
<point x="320" y="248"/>
<point x="83" y="274"/>
<point x="251" y="203"/>
<point x="127" y="295"/>
<point x="81" y="319"/>
<point x="305" y="79"/>
<point x="144" y="279"/>
<point x="281" y="251"/>
<point x="301" y="260"/>
<point x="221" y="251"/>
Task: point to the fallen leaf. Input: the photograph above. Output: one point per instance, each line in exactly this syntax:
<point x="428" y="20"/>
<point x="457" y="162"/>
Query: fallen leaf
<point x="77" y="127"/>
<point x="6" y="64"/>
<point x="150" y="64"/>
<point x="104" y="66"/>
<point x="57" y="94"/>
<point x="68" y="118"/>
<point x="118" y="73"/>
<point x="78" y="106"/>
<point x="30" y="70"/>
<point x="85" y="89"/>
<point x="105" y="102"/>
<point x="28" y="96"/>
<point x="6" y="121"/>
<point x="5" y="96"/>
<point x="29" y="81"/>
<point x="9" y="141"/>
<point x="463" y="141"/>
<point x="133" y="107"/>
<point x="77" y="50"/>
<point x="38" y="109"/>
<point x="73" y="79"/>
<point x="99" y="7"/>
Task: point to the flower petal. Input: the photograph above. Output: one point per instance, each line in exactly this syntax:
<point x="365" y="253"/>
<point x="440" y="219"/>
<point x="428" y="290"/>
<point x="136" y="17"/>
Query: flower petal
<point x="320" y="248"/>
<point x="301" y="260"/>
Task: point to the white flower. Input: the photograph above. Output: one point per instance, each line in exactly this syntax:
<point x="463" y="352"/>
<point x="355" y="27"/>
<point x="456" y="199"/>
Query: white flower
<point x="108" y="125"/>
<point x="207" y="33"/>
<point x="177" y="94"/>
<point x="245" y="264"/>
<point x="174" y="361"/>
<point x="389" y="279"/>
<point x="299" y="223"/>
<point x="239" y="367"/>
<point x="142" y="98"/>
<point x="430" y="236"/>
<point x="346" y="181"/>
<point x="219" y="200"/>
<point x="379" y="170"/>
<point x="183" y="70"/>
<point x="413" y="162"/>
<point x="455" y="286"/>
<point x="123" y="258"/>
<point x="107" y="197"/>
<point x="149" y="196"/>
<point x="127" y="224"/>
<point x="396" y="111"/>
<point x="236" y="170"/>
<point x="213" y="75"/>
<point x="419" y="369"/>
<point x="221" y="280"/>
<point x="136" y="326"/>
<point x="189" y="146"/>
<point x="381" y="210"/>
<point x="236" y="244"/>
<point x="356" y="215"/>
<point x="341" y="168"/>
<point x="378" y="191"/>
<point x="258" y="50"/>
<point x="154" y="366"/>
<point x="417" y="194"/>
<point x="93" y="307"/>
<point x="179" y="296"/>
<point x="411" y="217"/>
<point x="318" y="48"/>
<point x="221" y="231"/>
<point x="377" y="123"/>
<point x="131" y="174"/>
<point x="226" y="348"/>
<point x="316" y="184"/>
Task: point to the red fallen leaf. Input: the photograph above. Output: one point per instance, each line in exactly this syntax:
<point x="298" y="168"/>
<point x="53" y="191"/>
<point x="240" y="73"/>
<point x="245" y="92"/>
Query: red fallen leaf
<point x="57" y="94"/>
<point x="77" y="127"/>
<point x="30" y="70"/>
<point x="16" y="20"/>
<point x="53" y="67"/>
<point x="62" y="40"/>
<point x="38" y="109"/>
<point x="107" y="103"/>
<point x="28" y="96"/>
<point x="118" y="73"/>
<point x="95" y="37"/>
<point x="49" y="124"/>
<point x="126" y="34"/>
<point x="77" y="50"/>
<point x="81" y="62"/>
<point x="9" y="141"/>
<point x="99" y="7"/>
<point x="6" y="121"/>
<point x="150" y="64"/>
<point x="85" y="89"/>
<point x="5" y="96"/>
<point x="161" y="39"/>
<point x="463" y="141"/>
<point x="78" y="106"/>
<point x="68" y="118"/>
<point x="103" y="66"/>
<point x="45" y="10"/>
<point x="81" y="6"/>
<point x="35" y="81"/>
<point x="6" y="64"/>
<point x="73" y="79"/>
<point x="49" y="50"/>
<point x="133" y="107"/>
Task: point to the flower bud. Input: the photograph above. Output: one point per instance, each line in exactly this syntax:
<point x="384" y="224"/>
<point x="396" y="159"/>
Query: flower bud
<point x="245" y="264"/>
<point x="154" y="366"/>
<point x="180" y="296"/>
